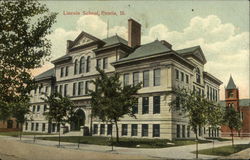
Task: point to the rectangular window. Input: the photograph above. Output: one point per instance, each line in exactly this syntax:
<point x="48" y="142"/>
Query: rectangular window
<point x="134" y="128"/>
<point x="183" y="131"/>
<point x="145" y="78"/>
<point x="124" y="129"/>
<point x="188" y="131"/>
<point x="125" y="79"/>
<point x="46" y="89"/>
<point x="200" y="131"/>
<point x="177" y="74"/>
<point x="87" y="87"/>
<point x="44" y="108"/>
<point x="32" y="126"/>
<point x="80" y="88"/>
<point x="38" y="108"/>
<point x="40" y="88"/>
<point x="135" y="78"/>
<point x="211" y="93"/>
<point x="98" y="63"/>
<point x="157" y="77"/>
<point x="156" y="104"/>
<point x="37" y="126"/>
<point x="60" y="89"/>
<point x="26" y="126"/>
<point x="35" y="91"/>
<point x="43" y="127"/>
<point x="182" y="76"/>
<point x="102" y="131"/>
<point x="105" y="63"/>
<point x="209" y="132"/>
<point x="66" y="71"/>
<point x="62" y="71"/>
<point x="58" y="128"/>
<point x="74" y="89"/>
<point x="187" y="78"/>
<point x="95" y="128"/>
<point x="135" y="108"/>
<point x="178" y="131"/>
<point x="33" y="109"/>
<point x="156" y="130"/>
<point x="109" y="129"/>
<point x="56" y="89"/>
<point x="144" y="130"/>
<point x="65" y="89"/>
<point x="145" y="105"/>
<point x="207" y="92"/>
<point x="204" y="130"/>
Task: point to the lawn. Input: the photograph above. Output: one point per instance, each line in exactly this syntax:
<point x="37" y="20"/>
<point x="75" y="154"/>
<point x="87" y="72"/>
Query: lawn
<point x="225" y="150"/>
<point x="16" y="133"/>
<point x="124" y="142"/>
<point x="219" y="139"/>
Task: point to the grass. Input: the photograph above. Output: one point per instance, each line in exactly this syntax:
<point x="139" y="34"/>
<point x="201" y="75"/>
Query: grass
<point x="124" y="142"/>
<point x="219" y="139"/>
<point x="16" y="133"/>
<point x="224" y="150"/>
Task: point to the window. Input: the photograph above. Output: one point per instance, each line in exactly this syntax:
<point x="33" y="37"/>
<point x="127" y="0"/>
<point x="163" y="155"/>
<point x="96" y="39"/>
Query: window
<point x="80" y="88"/>
<point x="204" y="128"/>
<point x="178" y="131"/>
<point x="76" y="67"/>
<point x="87" y="87"/>
<point x="60" y="89"/>
<point x="156" y="130"/>
<point x="74" y="89"/>
<point x="46" y="89"/>
<point x="44" y="107"/>
<point x="95" y="128"/>
<point x="125" y="79"/>
<point x="144" y="130"/>
<point x="66" y="70"/>
<point x="105" y="63"/>
<point x="177" y="74"/>
<point x="109" y="129"/>
<point x="53" y="127"/>
<point x="156" y="104"/>
<point x="88" y="64"/>
<point x="82" y="65"/>
<point x="37" y="126"/>
<point x="135" y="78"/>
<point x="187" y="79"/>
<point x="33" y="109"/>
<point x="26" y="126"/>
<point x="65" y="89"/>
<point x="124" y="129"/>
<point x="183" y="131"/>
<point x="182" y="76"/>
<point x="242" y="115"/>
<point x="145" y="78"/>
<point x="216" y="95"/>
<point x="207" y="92"/>
<point x="40" y="88"/>
<point x="198" y="75"/>
<point x="157" y="77"/>
<point x="62" y="71"/>
<point x="211" y="93"/>
<point x="209" y="132"/>
<point x="134" y="128"/>
<point x="177" y="101"/>
<point x="188" y="131"/>
<point x="56" y="89"/>
<point x="32" y="126"/>
<point x="98" y="63"/>
<point x="43" y="127"/>
<point x="200" y="131"/>
<point x="10" y="124"/>
<point x="135" y="108"/>
<point x="230" y="94"/>
<point x="38" y="108"/>
<point x="144" y="105"/>
<point x="35" y="91"/>
<point x="102" y="131"/>
<point x="58" y="128"/>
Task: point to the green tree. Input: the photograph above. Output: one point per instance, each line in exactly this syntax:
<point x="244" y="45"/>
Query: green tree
<point x="24" y="45"/>
<point x="110" y="101"/>
<point x="232" y="120"/>
<point x="194" y="106"/>
<point x="60" y="110"/>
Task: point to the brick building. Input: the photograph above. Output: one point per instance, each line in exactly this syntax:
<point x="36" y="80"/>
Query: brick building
<point x="241" y="105"/>
<point x="9" y="125"/>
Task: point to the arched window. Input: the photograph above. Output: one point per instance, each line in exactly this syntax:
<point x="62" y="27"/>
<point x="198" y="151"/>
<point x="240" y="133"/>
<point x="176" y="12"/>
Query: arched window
<point x="88" y="64"/>
<point x="82" y="65"/>
<point x="198" y="75"/>
<point x="76" y="67"/>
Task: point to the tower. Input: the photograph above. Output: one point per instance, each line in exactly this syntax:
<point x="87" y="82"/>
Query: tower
<point x="232" y="94"/>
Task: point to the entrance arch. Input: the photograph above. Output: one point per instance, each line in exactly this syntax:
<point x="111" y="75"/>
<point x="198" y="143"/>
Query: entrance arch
<point x="79" y="120"/>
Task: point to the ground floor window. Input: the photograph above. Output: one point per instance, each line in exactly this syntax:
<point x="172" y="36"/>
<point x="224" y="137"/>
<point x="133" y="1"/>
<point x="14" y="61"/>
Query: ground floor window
<point x="17" y="124"/>
<point x="200" y="131"/>
<point x="218" y="132"/>
<point x="9" y="124"/>
<point x="134" y="128"/>
<point x="124" y="129"/>
<point x="26" y="126"/>
<point x="43" y="127"/>
<point x="183" y="131"/>
<point x="58" y="127"/>
<point x="178" y="131"/>
<point x="53" y="127"/>
<point x="95" y="128"/>
<point x="109" y="129"/>
<point x="32" y="126"/>
<point x="209" y="132"/>
<point x="37" y="125"/>
<point x="188" y="131"/>
<point x="156" y="130"/>
<point x="102" y="131"/>
<point x="144" y="130"/>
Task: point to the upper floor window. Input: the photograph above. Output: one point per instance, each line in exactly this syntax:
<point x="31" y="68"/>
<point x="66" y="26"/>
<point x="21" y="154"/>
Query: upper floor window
<point x="80" y="88"/>
<point x="145" y="107"/>
<point x="88" y="64"/>
<point x="126" y="79"/>
<point x="60" y="89"/>
<point x="198" y="75"/>
<point x="135" y="78"/>
<point x="76" y="67"/>
<point x="156" y="104"/>
<point x="177" y="74"/>
<point x="74" y="89"/>
<point x="105" y="63"/>
<point x="145" y="78"/>
<point x="187" y="78"/>
<point x="135" y="108"/>
<point x="46" y="89"/>
<point x="157" y="77"/>
<point x="98" y="63"/>
<point x="65" y="89"/>
<point x="82" y="65"/>
<point x="182" y="76"/>
<point x="66" y="70"/>
<point x="62" y="71"/>
<point x="87" y="87"/>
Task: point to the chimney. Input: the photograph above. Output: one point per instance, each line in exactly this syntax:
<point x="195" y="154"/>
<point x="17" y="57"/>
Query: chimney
<point x="134" y="33"/>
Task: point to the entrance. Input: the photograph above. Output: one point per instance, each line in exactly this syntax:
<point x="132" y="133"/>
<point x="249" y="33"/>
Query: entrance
<point x="78" y="121"/>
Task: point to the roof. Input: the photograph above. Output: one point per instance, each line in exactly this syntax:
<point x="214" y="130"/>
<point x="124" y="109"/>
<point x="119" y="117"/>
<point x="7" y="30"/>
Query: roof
<point x="231" y="84"/>
<point x="46" y="74"/>
<point x="62" y="58"/>
<point x="147" y="50"/>
<point x="187" y="50"/>
<point x="211" y="77"/>
<point x="114" y="40"/>
<point x="242" y="102"/>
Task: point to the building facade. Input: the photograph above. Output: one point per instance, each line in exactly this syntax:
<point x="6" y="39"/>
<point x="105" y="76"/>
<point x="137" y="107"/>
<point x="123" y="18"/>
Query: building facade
<point x="160" y="68"/>
<point x="240" y="105"/>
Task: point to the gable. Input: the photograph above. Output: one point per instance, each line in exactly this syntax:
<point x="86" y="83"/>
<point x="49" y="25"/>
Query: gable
<point x="194" y="52"/>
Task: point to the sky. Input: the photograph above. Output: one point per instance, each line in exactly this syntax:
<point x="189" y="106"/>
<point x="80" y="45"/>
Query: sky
<point x="221" y="28"/>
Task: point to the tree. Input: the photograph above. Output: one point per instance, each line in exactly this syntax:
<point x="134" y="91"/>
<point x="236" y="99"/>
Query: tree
<point x="231" y="119"/>
<point x="24" y="46"/>
<point x="195" y="107"/>
<point x="110" y="101"/>
<point x="61" y="110"/>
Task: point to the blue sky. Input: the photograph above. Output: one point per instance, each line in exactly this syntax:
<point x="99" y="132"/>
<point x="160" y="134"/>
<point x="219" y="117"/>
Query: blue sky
<point x="221" y="28"/>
